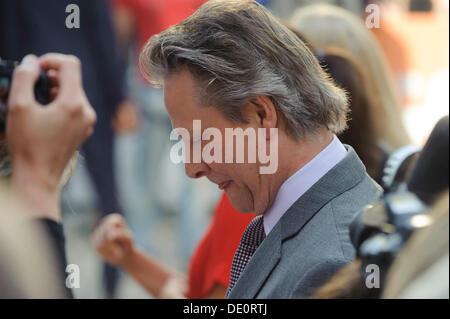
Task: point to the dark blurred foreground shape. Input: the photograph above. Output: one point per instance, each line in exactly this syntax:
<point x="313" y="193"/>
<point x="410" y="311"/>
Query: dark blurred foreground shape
<point x="31" y="266"/>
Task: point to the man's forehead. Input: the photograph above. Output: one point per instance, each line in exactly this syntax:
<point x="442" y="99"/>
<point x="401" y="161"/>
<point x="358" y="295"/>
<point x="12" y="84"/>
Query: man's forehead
<point x="180" y="96"/>
<point x="179" y="84"/>
<point x="183" y="104"/>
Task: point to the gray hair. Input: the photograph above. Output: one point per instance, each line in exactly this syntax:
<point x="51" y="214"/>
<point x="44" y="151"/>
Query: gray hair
<point x="236" y="50"/>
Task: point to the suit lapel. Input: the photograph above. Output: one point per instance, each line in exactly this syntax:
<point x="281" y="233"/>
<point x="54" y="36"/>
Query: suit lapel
<point x="344" y="176"/>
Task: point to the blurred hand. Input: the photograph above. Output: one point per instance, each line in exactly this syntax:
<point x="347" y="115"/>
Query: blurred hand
<point x="126" y="118"/>
<point x="41" y="140"/>
<point x="113" y="240"/>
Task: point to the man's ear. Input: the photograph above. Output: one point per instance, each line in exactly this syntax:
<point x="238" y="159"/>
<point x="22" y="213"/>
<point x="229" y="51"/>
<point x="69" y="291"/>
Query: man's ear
<point x="265" y="111"/>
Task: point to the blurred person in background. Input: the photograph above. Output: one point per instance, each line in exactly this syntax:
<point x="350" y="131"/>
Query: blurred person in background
<point x="390" y="42"/>
<point x="414" y="35"/>
<point x="360" y="133"/>
<point x="326" y="26"/>
<point x="209" y="266"/>
<point x="38" y="27"/>
<point x="348" y="75"/>
<point x="285" y="8"/>
<point x="151" y="187"/>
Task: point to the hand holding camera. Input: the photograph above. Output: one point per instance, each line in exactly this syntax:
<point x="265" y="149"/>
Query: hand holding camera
<point x="41" y="89"/>
<point x="41" y="140"/>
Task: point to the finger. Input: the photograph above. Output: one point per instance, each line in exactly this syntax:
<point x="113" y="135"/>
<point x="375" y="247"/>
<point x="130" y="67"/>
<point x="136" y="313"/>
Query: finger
<point x="111" y="235"/>
<point x="123" y="237"/>
<point x="114" y="217"/>
<point x="54" y="91"/>
<point x="89" y="132"/>
<point x="54" y="77"/>
<point x="97" y="237"/>
<point x="68" y="67"/>
<point x="100" y="232"/>
<point x="105" y="231"/>
<point x="109" y="253"/>
<point x="107" y="221"/>
<point x="91" y="119"/>
<point x="118" y="235"/>
<point x="116" y="220"/>
<point x="23" y="81"/>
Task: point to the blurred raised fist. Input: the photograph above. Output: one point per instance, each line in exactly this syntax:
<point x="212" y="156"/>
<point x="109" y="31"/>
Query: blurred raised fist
<point x="113" y="240"/>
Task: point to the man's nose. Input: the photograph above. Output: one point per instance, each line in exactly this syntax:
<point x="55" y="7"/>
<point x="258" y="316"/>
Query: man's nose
<point x="196" y="170"/>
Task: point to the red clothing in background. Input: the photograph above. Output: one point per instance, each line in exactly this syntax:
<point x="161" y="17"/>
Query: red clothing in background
<point x="211" y="261"/>
<point x="153" y="16"/>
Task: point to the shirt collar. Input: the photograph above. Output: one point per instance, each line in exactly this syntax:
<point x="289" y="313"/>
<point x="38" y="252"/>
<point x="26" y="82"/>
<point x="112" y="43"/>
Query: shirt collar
<point x="298" y="183"/>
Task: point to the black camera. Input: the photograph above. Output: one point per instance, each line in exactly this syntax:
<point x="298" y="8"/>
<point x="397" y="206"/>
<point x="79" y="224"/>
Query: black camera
<point x="41" y="89"/>
<point x="382" y="229"/>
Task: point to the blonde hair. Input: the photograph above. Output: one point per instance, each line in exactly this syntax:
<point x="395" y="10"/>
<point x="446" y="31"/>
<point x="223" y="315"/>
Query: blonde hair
<point x="328" y="26"/>
<point x="6" y="165"/>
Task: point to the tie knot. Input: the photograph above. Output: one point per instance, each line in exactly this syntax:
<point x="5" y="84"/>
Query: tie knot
<point x="254" y="233"/>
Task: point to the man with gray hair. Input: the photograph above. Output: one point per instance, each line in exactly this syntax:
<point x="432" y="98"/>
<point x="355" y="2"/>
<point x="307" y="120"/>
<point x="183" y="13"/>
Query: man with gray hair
<point x="232" y="65"/>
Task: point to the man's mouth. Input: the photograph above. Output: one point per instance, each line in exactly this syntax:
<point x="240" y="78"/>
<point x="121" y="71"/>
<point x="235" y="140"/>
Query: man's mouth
<point x="224" y="185"/>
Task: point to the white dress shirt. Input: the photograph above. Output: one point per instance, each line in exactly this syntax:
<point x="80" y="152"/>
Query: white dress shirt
<point x="298" y="183"/>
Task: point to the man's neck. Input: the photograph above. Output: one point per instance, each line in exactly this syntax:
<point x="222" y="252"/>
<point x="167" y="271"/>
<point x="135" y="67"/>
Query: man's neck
<point x="292" y="157"/>
<point x="302" y="152"/>
<point x="322" y="160"/>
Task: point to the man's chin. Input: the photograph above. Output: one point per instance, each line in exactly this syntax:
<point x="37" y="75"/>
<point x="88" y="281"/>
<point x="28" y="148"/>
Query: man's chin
<point x="238" y="204"/>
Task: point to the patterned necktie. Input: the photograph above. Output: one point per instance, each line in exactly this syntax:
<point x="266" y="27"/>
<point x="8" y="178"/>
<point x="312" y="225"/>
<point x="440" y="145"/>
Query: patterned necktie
<point x="253" y="236"/>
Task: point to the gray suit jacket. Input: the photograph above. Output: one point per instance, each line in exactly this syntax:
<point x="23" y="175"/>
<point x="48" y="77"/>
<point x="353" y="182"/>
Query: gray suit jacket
<point x="311" y="241"/>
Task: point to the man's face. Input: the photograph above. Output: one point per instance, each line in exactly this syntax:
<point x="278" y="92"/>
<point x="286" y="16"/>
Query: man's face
<point x="241" y="181"/>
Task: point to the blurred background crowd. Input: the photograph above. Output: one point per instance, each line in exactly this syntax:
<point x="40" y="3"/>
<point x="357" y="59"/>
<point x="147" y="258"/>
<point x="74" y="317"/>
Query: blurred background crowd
<point x="396" y="72"/>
